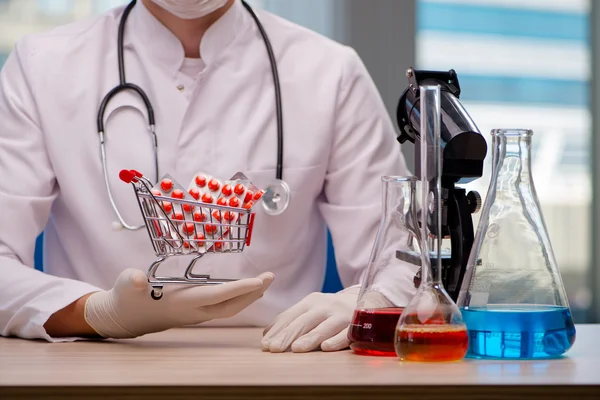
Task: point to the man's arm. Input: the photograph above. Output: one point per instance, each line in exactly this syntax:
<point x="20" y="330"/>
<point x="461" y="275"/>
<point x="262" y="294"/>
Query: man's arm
<point x="70" y="321"/>
<point x="29" y="299"/>
<point x="364" y="149"/>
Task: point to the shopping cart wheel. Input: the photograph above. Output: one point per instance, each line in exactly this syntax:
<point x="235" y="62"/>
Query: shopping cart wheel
<point x="156" y="292"/>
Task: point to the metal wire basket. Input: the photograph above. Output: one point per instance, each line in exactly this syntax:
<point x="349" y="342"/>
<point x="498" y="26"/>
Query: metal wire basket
<point x="178" y="227"/>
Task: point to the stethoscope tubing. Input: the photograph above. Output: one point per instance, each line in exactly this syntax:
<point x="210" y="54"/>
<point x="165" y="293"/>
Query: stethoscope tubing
<point x="277" y="86"/>
<point x="124" y="86"/>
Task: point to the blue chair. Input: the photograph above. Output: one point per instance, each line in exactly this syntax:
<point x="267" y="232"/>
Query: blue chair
<point x="332" y="282"/>
<point x="332" y="279"/>
<point x="37" y="255"/>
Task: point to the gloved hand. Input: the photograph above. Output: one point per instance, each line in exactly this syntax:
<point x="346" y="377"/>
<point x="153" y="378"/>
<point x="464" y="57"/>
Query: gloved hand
<point x="127" y="310"/>
<point x="320" y="319"/>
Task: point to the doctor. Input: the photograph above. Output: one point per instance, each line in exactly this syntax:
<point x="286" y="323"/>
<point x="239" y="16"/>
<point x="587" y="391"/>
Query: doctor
<point x="205" y="70"/>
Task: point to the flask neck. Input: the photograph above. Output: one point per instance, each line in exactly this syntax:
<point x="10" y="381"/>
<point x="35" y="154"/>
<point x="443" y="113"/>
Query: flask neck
<point x="398" y="195"/>
<point x="512" y="159"/>
<point x="399" y="224"/>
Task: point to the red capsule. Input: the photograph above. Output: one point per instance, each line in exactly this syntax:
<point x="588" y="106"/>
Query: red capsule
<point x="195" y="193"/>
<point x="248" y="197"/>
<point x="207" y="198"/>
<point x="166" y="185"/>
<point x="248" y="205"/>
<point x="229" y="216"/>
<point x="258" y="195"/>
<point x="210" y="229"/>
<point x="177" y="194"/>
<point x="199" y="216"/>
<point x="227" y="190"/>
<point x="222" y="201"/>
<point x="217" y="215"/>
<point x="188" y="208"/>
<point x="177" y="216"/>
<point x="214" y="185"/>
<point x="219" y="244"/>
<point x="167" y="206"/>
<point x="239" y="189"/>
<point x="234" y="202"/>
<point x="200" y="238"/>
<point x="156" y="193"/>
<point x="188" y="228"/>
<point x="201" y="181"/>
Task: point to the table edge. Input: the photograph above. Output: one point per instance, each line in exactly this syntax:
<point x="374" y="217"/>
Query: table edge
<point x="346" y="392"/>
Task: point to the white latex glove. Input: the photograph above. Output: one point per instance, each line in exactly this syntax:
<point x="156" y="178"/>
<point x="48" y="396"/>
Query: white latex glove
<point x="320" y="319"/>
<point x="128" y="311"/>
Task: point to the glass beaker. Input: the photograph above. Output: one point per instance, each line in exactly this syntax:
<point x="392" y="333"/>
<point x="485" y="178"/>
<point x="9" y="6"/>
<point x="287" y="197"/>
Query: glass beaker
<point x="431" y="327"/>
<point x="512" y="297"/>
<point x="388" y="284"/>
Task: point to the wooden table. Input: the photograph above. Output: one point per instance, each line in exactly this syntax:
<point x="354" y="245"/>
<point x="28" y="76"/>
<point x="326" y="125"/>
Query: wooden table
<point x="228" y="363"/>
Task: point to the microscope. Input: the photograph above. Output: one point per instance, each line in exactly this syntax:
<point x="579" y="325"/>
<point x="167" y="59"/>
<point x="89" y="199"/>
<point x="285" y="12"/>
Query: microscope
<point x="463" y="150"/>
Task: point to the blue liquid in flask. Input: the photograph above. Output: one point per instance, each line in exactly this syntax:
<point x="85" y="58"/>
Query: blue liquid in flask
<point x="519" y="332"/>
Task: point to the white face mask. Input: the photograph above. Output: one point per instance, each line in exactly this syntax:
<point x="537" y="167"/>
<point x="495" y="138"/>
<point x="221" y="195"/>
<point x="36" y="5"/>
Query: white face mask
<point x="190" y="9"/>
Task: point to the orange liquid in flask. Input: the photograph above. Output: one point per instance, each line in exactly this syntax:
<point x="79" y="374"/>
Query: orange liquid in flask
<point x="372" y="331"/>
<point x="432" y="342"/>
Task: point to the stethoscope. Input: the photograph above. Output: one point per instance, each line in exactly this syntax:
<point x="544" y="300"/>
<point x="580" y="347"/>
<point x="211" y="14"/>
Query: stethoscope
<point x="277" y="196"/>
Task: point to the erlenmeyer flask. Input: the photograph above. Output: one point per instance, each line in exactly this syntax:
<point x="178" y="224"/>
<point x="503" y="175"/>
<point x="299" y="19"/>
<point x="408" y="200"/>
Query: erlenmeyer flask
<point x="431" y="327"/>
<point x="512" y="297"/>
<point x="388" y="284"/>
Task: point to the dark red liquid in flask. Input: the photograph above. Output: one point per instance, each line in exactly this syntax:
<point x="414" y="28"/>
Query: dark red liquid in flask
<point x="372" y="331"/>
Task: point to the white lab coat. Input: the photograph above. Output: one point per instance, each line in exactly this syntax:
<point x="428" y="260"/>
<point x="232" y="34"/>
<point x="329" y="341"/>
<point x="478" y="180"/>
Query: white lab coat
<point x="338" y="141"/>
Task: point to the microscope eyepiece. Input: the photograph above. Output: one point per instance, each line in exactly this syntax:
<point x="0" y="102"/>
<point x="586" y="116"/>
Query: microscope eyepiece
<point x="463" y="146"/>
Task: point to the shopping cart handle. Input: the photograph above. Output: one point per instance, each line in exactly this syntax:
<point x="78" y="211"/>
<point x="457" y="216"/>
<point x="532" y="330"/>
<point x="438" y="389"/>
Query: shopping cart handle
<point x="136" y="173"/>
<point x="127" y="176"/>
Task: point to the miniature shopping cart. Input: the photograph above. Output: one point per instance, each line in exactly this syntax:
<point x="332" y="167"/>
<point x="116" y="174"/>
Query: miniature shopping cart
<point x="216" y="232"/>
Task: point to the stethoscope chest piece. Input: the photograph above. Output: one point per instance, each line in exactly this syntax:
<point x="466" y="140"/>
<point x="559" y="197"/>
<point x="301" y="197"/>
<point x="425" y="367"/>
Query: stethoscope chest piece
<point x="277" y="197"/>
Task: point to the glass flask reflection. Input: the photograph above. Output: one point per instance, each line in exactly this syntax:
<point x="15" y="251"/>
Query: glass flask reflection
<point x="512" y="298"/>
<point x="388" y="284"/>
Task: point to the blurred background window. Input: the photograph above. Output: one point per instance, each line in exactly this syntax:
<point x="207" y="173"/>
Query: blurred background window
<point x="55" y="7"/>
<point x="521" y="64"/>
<point x="527" y="64"/>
